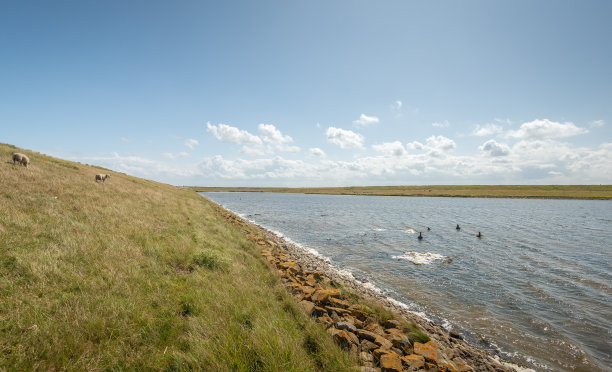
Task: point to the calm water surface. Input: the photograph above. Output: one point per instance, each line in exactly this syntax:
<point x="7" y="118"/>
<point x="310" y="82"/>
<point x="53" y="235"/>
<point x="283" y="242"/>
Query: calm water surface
<point x="536" y="288"/>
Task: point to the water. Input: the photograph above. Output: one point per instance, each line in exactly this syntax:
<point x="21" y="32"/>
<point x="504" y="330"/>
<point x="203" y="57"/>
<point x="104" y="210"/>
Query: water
<point x="535" y="288"/>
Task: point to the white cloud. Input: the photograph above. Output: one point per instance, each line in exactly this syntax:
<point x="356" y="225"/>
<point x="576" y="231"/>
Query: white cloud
<point x="171" y="156"/>
<point x="415" y="145"/>
<point x="226" y="133"/>
<point x="597" y="123"/>
<point x="191" y="143"/>
<point x="487" y="130"/>
<point x="344" y="138"/>
<point x="127" y="140"/>
<point x="315" y="151"/>
<point x="274" y="137"/>
<point x="442" y="124"/>
<point x="365" y="120"/>
<point x="441" y="143"/>
<point x="391" y="148"/>
<point x="493" y="148"/>
<point x="398" y="105"/>
<point x="544" y="128"/>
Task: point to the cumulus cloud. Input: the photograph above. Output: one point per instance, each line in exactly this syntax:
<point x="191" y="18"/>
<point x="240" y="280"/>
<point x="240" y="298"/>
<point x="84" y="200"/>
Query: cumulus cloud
<point x="441" y="143"/>
<point x="344" y="138"/>
<point x="226" y="133"/>
<point x="441" y="124"/>
<point x="171" y="156"/>
<point x="273" y="135"/>
<point x="597" y="123"/>
<point x="391" y="148"/>
<point x="544" y="128"/>
<point x="365" y="120"/>
<point x="315" y="151"/>
<point x="415" y="145"/>
<point x="492" y="148"/>
<point x="487" y="130"/>
<point x="275" y="138"/>
<point x="191" y="143"/>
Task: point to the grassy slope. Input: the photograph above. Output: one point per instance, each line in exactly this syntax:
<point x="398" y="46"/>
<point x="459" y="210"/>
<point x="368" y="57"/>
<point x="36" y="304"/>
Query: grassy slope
<point x="486" y="191"/>
<point x="105" y="276"/>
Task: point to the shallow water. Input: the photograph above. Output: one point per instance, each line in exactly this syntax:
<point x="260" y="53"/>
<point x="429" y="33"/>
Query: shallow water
<point x="536" y="287"/>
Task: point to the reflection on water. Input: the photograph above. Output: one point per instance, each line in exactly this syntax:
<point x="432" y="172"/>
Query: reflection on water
<point x="536" y="286"/>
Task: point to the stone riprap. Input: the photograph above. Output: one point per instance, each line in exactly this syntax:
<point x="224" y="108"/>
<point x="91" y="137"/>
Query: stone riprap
<point x="380" y="345"/>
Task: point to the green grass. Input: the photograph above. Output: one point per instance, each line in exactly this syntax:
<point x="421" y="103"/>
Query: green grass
<point x="475" y="191"/>
<point x="133" y="274"/>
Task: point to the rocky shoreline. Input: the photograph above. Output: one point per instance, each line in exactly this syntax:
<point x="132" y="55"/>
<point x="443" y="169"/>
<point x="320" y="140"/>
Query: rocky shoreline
<point x="381" y="344"/>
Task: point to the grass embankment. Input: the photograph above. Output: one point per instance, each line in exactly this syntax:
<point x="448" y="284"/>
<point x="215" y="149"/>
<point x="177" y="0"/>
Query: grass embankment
<point x="473" y="191"/>
<point x="134" y="274"/>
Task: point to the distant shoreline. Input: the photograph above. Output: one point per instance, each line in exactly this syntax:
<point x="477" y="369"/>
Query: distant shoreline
<point x="565" y="192"/>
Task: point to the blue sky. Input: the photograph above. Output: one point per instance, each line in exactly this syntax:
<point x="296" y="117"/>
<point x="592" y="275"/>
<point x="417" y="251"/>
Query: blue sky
<point x="318" y="93"/>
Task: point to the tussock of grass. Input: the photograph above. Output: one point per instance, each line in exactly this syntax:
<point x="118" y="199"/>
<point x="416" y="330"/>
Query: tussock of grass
<point x="137" y="275"/>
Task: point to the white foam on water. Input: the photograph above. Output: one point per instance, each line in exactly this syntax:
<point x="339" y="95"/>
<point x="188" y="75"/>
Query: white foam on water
<point x="511" y="365"/>
<point x="419" y="258"/>
<point x="379" y="229"/>
<point x="410" y="231"/>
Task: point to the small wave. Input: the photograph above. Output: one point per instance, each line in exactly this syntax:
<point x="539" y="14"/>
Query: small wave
<point x="379" y="229"/>
<point x="419" y="258"/>
<point x="410" y="231"/>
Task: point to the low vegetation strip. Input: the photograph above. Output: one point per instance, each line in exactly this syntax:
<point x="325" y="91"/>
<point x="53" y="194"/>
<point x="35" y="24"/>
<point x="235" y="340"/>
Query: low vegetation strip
<point x="473" y="191"/>
<point x="130" y="274"/>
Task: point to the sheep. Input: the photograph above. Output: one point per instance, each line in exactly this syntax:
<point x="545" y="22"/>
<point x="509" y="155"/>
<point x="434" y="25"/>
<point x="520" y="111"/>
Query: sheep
<point x="21" y="159"/>
<point x="102" y="177"/>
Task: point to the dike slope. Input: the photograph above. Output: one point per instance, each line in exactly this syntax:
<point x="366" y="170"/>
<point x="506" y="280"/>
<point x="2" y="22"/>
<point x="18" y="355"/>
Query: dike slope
<point x="132" y="274"/>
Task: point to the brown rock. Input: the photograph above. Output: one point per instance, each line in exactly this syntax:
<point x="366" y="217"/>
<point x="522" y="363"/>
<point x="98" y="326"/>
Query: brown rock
<point x="339" y="303"/>
<point x="320" y="311"/>
<point x="367" y="335"/>
<point x="375" y="328"/>
<point x="377" y="353"/>
<point x="392" y="324"/>
<point x="308" y="307"/>
<point x="368" y="346"/>
<point x="346" y="326"/>
<point x="322" y="295"/>
<point x="366" y="357"/>
<point x="326" y="321"/>
<point x="343" y="339"/>
<point x="413" y="362"/>
<point x="390" y="362"/>
<point x="429" y="350"/>
<point x="358" y="314"/>
<point x="383" y="342"/>
<point x="338" y="310"/>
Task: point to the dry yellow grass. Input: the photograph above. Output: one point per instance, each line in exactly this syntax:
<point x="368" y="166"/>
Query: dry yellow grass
<point x="133" y="274"/>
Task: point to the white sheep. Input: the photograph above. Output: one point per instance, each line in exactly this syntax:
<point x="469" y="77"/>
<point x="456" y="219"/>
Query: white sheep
<point x="21" y="159"/>
<point x="102" y="177"/>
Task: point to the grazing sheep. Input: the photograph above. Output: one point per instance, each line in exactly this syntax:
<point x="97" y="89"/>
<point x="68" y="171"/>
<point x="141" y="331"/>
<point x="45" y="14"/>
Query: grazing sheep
<point x="21" y="159"/>
<point x="102" y="177"/>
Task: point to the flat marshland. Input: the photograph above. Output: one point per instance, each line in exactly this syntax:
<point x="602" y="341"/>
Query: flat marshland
<point x="472" y="191"/>
<point x="133" y="274"/>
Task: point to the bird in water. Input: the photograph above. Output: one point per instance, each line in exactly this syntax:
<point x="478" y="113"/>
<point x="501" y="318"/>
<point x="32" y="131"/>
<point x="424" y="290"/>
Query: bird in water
<point x="429" y="229"/>
<point x="458" y="228"/>
<point x="420" y="236"/>
<point x="479" y="235"/>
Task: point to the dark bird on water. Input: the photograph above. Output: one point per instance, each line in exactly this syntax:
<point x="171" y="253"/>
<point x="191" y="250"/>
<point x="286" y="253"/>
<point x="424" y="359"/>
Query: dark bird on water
<point x="479" y="235"/>
<point x="420" y="236"/>
<point x="429" y="229"/>
<point x="458" y="228"/>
